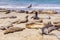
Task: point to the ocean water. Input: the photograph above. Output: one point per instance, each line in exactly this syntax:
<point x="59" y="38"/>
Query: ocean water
<point x="36" y="4"/>
<point x="24" y="2"/>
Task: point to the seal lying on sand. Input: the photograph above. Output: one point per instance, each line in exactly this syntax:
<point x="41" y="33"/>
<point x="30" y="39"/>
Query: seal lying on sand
<point x="23" y="21"/>
<point x="5" y="26"/>
<point x="50" y="12"/>
<point x="35" y="25"/>
<point x="50" y="27"/>
<point x="8" y="17"/>
<point x="45" y="27"/>
<point x="13" y="29"/>
<point x="7" y="11"/>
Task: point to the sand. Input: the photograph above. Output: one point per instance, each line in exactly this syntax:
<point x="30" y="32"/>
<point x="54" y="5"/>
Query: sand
<point x="26" y="34"/>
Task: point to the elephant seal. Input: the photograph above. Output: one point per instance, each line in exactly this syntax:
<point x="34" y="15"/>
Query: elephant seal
<point x="13" y="29"/>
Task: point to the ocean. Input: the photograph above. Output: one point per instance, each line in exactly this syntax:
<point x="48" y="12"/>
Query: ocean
<point x="36" y="4"/>
<point x="24" y="2"/>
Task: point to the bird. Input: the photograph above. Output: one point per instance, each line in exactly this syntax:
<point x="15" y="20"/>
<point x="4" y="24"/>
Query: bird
<point x="29" y="6"/>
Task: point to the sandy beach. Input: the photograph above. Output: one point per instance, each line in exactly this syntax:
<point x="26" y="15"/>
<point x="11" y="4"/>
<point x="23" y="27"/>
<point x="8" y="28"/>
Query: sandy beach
<point x="7" y="20"/>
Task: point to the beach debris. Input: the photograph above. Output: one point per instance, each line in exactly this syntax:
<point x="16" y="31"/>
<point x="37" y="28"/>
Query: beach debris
<point x="13" y="29"/>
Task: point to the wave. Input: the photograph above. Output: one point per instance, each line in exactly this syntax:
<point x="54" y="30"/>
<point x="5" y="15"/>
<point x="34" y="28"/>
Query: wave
<point x="57" y="8"/>
<point x="35" y="7"/>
